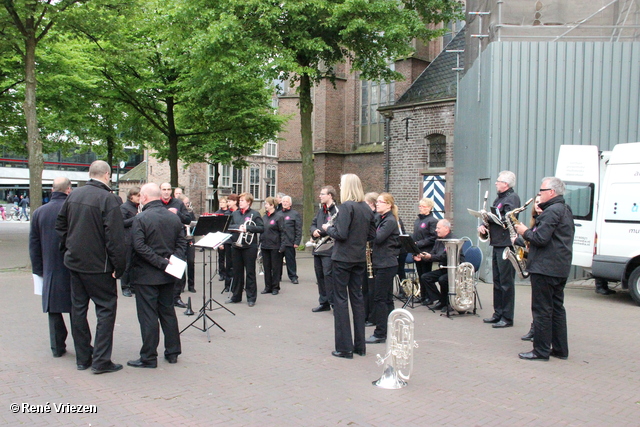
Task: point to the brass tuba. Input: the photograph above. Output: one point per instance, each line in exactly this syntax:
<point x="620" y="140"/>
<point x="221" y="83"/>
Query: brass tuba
<point x="399" y="354"/>
<point x="462" y="291"/>
<point x="518" y="254"/>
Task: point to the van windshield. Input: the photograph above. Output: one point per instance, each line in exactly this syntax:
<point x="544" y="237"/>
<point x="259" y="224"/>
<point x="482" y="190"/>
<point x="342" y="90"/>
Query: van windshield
<point x="579" y="195"/>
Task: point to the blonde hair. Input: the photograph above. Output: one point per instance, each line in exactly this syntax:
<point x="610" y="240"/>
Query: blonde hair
<point x="351" y="188"/>
<point x="428" y="202"/>
<point x="388" y="198"/>
<point x="248" y="197"/>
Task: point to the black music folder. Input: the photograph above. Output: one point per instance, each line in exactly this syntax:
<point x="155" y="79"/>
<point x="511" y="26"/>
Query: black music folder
<point x="211" y="224"/>
<point x="408" y="245"/>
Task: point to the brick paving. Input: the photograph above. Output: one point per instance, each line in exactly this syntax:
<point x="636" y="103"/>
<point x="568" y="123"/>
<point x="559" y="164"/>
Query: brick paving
<point x="273" y="365"/>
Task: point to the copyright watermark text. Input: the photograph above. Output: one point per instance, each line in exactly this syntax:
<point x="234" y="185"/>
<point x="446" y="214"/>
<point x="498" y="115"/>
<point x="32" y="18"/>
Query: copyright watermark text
<point x="55" y="408"/>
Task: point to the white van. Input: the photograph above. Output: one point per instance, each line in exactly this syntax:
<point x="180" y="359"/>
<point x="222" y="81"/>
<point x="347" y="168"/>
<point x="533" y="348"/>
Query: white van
<point x="603" y="190"/>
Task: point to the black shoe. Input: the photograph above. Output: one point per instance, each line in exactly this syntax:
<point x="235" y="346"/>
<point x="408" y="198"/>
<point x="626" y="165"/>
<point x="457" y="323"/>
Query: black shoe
<point x="265" y="291"/>
<point x="83" y="366"/>
<point x="226" y="289"/>
<point x="59" y="353"/>
<point x="294" y="281"/>
<point x="532" y="356"/>
<point x="231" y="301"/>
<point x="558" y="355"/>
<point x="172" y="358"/>
<point x="361" y="352"/>
<point x="426" y="301"/>
<point x="605" y="291"/>
<point x="368" y="324"/>
<point x="529" y="335"/>
<point x="321" y="307"/>
<point x="221" y="279"/>
<point x="275" y="292"/>
<point x="110" y="367"/>
<point x="179" y="303"/>
<point x="127" y="293"/>
<point x="192" y="289"/>
<point x="142" y="364"/>
<point x="343" y="354"/>
<point x="251" y="303"/>
<point x="375" y="340"/>
<point x="502" y="324"/>
<point x="437" y="306"/>
<point x="492" y="319"/>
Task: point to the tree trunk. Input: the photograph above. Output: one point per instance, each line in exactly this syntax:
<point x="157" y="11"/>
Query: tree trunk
<point x="34" y="143"/>
<point x="306" y="152"/>
<point x="173" y="142"/>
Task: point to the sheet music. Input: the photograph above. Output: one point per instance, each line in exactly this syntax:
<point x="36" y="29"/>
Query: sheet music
<point x="177" y="267"/>
<point x="38" y="283"/>
<point x="213" y="240"/>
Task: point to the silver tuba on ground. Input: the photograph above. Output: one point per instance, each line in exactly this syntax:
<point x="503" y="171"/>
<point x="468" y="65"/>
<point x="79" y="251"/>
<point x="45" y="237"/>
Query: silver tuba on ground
<point x="398" y="359"/>
<point x="462" y="291"/>
<point x="518" y="254"/>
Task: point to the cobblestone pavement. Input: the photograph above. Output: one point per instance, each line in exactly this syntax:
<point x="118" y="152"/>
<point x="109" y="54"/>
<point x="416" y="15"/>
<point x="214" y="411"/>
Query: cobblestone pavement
<point x="273" y="365"/>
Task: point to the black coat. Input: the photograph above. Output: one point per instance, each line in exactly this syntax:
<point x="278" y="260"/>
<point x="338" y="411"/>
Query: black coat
<point x="551" y="239"/>
<point x="156" y="235"/>
<point x="47" y="260"/>
<point x="439" y="252"/>
<point x="92" y="230"/>
<point x="273" y="235"/>
<point x="238" y="218"/>
<point x="322" y="216"/>
<point x="506" y="201"/>
<point x="129" y="211"/>
<point x="386" y="246"/>
<point x="424" y="231"/>
<point x="292" y="227"/>
<point x="351" y="230"/>
<point x="183" y="213"/>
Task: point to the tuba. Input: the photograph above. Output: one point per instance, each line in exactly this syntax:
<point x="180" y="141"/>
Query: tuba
<point x="462" y="291"/>
<point x="245" y="237"/>
<point x="518" y="254"/>
<point x="399" y="354"/>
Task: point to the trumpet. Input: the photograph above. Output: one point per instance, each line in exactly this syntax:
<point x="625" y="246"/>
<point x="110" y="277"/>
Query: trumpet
<point x="245" y="237"/>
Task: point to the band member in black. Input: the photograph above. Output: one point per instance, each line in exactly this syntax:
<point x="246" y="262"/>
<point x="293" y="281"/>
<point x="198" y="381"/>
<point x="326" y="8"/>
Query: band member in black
<point x="504" y="274"/>
<point x="232" y="206"/>
<point x="224" y="210"/>
<point x="322" y="258"/>
<point x="272" y="247"/>
<point x="293" y="236"/>
<point x="129" y="210"/>
<point x="245" y="224"/>
<point x="384" y="257"/>
<point x="352" y="228"/>
<point x="424" y="234"/>
<point x="369" y="282"/>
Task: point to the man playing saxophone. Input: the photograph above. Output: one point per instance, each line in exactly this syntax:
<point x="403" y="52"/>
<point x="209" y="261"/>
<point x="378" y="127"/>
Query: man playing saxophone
<point x="322" y="259"/>
<point x="503" y="271"/>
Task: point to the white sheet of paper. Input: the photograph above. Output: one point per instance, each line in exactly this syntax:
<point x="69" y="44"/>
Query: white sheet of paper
<point x="177" y="267"/>
<point x="38" y="282"/>
<point x="213" y="240"/>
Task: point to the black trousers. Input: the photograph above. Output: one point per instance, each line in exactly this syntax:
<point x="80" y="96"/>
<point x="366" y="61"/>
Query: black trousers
<point x="423" y="267"/>
<point x="347" y="280"/>
<point x="272" y="264"/>
<point x="383" y="298"/>
<point x="228" y="262"/>
<point x="125" y="280"/>
<point x="323" y="267"/>
<point x="103" y="291"/>
<point x="368" y="283"/>
<point x="428" y="282"/>
<point x="57" y="333"/>
<point x="222" y="269"/>
<point x="154" y="304"/>
<point x="549" y="315"/>
<point x="292" y="266"/>
<point x="244" y="260"/>
<point x="504" y="288"/>
<point x="190" y="274"/>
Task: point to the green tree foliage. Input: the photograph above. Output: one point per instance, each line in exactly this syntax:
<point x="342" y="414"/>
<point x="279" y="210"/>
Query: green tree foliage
<point x="305" y="39"/>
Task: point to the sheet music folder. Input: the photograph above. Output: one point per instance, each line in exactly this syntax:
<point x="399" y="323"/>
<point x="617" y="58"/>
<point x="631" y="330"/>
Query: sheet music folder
<point x="211" y="224"/>
<point x="408" y="245"/>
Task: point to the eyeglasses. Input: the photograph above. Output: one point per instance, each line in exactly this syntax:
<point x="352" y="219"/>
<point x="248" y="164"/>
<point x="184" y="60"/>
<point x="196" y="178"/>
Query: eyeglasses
<point x="545" y="189"/>
<point x="382" y="201"/>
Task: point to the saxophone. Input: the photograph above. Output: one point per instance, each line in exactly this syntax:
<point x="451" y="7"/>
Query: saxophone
<point x="369" y="263"/>
<point x="516" y="254"/>
<point x="399" y="352"/>
<point x="326" y="242"/>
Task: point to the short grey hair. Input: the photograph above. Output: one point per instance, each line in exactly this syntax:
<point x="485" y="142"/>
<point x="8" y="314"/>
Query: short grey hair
<point x="556" y="184"/>
<point x="508" y="177"/>
<point x="445" y="223"/>
<point x="286" y="197"/>
<point x="61" y="184"/>
<point x="99" y="168"/>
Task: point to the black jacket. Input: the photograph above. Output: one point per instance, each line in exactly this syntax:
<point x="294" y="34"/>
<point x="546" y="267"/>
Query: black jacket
<point x="351" y="230"/>
<point x="46" y="259"/>
<point x="92" y="230"/>
<point x="385" y="247"/>
<point x="322" y="216"/>
<point x="129" y="211"/>
<point x="551" y="239"/>
<point x="505" y="202"/>
<point x="273" y="236"/>
<point x="156" y="234"/>
<point x="183" y="213"/>
<point x="238" y="218"/>
<point x="424" y="231"/>
<point x="292" y="227"/>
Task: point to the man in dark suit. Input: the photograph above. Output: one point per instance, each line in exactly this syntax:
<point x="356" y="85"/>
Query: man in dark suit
<point x="91" y="234"/>
<point x="48" y="262"/>
<point x="157" y="234"/>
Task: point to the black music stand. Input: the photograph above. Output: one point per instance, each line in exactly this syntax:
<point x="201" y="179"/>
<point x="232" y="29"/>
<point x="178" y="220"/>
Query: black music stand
<point x="409" y="246"/>
<point x="205" y="226"/>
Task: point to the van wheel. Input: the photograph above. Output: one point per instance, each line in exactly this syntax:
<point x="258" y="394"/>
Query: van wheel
<point x="634" y="285"/>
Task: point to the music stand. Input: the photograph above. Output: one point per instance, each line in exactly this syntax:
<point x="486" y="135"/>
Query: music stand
<point x="212" y="227"/>
<point x="409" y="246"/>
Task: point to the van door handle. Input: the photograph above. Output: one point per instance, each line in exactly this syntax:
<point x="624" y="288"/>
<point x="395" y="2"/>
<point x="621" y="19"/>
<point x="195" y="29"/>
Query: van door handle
<point x="577" y="225"/>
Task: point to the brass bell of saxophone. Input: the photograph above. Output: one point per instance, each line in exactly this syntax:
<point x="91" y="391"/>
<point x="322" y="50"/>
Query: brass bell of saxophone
<point x="518" y="254"/>
<point x="398" y="358"/>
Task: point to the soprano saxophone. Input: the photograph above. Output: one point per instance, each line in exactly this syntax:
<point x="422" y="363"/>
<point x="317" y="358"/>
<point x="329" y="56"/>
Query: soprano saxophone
<point x="516" y="254"/>
<point x="369" y="263"/>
